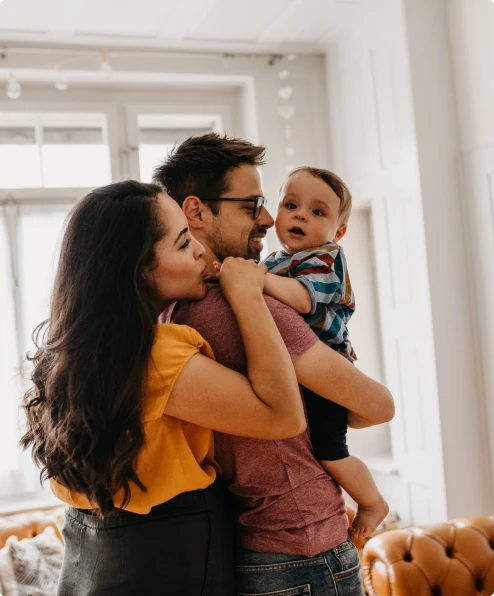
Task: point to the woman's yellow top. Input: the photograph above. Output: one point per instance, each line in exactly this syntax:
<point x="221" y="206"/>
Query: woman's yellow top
<point x="177" y="456"/>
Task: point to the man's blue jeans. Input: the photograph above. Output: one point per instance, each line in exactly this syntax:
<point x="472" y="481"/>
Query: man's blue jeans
<point x="335" y="572"/>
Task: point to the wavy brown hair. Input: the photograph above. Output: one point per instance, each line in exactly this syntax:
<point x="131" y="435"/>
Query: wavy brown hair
<point x="83" y="411"/>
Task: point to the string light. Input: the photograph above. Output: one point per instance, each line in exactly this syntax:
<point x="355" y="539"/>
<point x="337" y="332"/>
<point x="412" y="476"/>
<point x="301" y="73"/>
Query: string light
<point x="61" y="81"/>
<point x="105" y="67"/>
<point x="285" y="92"/>
<point x="287" y="111"/>
<point x="13" y="87"/>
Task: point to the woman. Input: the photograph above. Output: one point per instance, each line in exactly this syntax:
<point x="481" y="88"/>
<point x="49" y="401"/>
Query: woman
<point x="122" y="410"/>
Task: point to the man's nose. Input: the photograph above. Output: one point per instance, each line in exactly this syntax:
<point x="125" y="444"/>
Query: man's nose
<point x="265" y="220"/>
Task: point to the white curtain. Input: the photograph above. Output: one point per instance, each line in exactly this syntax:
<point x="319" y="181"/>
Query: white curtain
<point x="29" y="246"/>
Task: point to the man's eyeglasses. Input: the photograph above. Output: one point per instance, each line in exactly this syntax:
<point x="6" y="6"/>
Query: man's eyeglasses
<point x="259" y="203"/>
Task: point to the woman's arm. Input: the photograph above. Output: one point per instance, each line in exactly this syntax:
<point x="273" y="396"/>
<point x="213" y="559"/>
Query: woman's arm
<point x="267" y="405"/>
<point x="325" y="372"/>
<point x="289" y="291"/>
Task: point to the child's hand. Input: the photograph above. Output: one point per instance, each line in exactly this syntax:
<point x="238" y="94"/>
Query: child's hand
<point x="217" y="267"/>
<point x="240" y="278"/>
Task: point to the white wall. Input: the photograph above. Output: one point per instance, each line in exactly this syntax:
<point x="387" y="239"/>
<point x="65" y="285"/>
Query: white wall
<point x="365" y="328"/>
<point x="396" y="141"/>
<point x="438" y="143"/>
<point x="471" y="31"/>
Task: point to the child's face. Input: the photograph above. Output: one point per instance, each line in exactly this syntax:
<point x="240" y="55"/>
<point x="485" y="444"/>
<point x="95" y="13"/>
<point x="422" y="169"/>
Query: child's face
<point x="308" y="213"/>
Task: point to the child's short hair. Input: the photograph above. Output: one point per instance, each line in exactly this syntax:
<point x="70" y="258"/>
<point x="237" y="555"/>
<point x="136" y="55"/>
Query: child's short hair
<point x="337" y="185"/>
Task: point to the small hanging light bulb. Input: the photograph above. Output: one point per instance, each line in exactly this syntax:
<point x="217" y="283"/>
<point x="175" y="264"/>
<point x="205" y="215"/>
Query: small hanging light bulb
<point x="61" y="81"/>
<point x="13" y="87"/>
<point x="105" y="66"/>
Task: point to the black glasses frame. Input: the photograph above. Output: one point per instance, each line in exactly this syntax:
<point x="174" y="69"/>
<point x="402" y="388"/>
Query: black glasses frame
<point x="259" y="203"/>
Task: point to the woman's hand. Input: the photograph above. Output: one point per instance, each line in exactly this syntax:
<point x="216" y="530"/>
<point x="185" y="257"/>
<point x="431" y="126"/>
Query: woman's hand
<point x="240" y="279"/>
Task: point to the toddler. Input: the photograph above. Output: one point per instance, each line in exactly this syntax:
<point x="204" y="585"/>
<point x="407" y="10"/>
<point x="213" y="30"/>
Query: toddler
<point x="311" y="276"/>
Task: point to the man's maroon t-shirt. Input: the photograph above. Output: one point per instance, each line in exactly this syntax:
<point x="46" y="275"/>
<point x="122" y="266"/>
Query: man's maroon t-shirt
<point x="284" y="500"/>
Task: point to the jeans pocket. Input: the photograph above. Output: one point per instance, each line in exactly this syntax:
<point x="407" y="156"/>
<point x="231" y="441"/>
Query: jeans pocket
<point x="348" y="560"/>
<point x="297" y="591"/>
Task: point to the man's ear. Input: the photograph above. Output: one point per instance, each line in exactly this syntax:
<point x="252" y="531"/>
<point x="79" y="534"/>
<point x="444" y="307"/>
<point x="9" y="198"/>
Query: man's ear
<point x="195" y="211"/>
<point x="340" y="233"/>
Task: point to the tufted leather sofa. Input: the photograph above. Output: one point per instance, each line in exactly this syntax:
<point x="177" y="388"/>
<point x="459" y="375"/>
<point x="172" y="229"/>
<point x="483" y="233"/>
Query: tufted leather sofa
<point x="449" y="559"/>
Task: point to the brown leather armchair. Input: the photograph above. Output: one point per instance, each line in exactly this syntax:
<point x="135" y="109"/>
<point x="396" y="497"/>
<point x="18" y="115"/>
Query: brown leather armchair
<point x="450" y="559"/>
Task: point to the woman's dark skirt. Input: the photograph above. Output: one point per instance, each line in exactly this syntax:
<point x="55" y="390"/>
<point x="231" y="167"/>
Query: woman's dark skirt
<point x="183" y="547"/>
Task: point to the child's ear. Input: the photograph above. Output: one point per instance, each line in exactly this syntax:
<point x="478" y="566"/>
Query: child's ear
<point x="340" y="233"/>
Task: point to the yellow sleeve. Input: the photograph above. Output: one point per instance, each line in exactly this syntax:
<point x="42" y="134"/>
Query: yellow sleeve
<point x="173" y="346"/>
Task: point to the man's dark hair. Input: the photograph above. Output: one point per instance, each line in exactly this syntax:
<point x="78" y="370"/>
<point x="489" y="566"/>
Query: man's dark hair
<point x="200" y="166"/>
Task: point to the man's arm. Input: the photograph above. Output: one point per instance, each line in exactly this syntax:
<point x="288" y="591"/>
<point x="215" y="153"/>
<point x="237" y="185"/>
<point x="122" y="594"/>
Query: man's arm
<point x="325" y="372"/>
<point x="317" y="366"/>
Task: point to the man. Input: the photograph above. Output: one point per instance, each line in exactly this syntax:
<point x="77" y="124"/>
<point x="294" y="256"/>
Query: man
<point x="290" y="515"/>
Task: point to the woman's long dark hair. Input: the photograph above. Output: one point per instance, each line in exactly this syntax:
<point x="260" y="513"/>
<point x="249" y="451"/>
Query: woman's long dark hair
<point x="83" y="411"/>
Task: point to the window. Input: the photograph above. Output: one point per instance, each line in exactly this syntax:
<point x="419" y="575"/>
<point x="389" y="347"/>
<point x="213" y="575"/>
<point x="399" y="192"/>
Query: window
<point x="29" y="243"/>
<point x="50" y="150"/>
<point x="158" y="134"/>
<point x="9" y="355"/>
<point x="53" y="150"/>
<point x="49" y="158"/>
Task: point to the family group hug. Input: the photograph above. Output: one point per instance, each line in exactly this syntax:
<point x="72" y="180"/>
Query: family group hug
<point x="189" y="401"/>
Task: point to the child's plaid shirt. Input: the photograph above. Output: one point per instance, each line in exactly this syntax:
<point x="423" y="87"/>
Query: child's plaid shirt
<point x="323" y="271"/>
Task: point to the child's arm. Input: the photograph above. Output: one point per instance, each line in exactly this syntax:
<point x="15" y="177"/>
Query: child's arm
<point x="289" y="291"/>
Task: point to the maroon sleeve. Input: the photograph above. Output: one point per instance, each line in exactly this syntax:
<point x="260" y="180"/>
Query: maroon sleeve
<point x="215" y="321"/>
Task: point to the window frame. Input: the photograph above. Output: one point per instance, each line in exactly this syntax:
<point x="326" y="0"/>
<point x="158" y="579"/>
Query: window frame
<point x="107" y="109"/>
<point x="122" y="130"/>
<point x="193" y="114"/>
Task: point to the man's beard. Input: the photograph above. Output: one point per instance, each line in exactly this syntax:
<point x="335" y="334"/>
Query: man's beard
<point x="222" y="250"/>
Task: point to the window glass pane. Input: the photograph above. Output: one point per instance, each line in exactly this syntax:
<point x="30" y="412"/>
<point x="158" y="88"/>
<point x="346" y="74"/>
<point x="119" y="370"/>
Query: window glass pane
<point x="156" y="142"/>
<point x="17" y="136"/>
<point x="20" y="166"/>
<point x="9" y="365"/>
<point x="151" y="156"/>
<point x="72" y="136"/>
<point x="73" y="166"/>
<point x="40" y="233"/>
<point x="169" y="136"/>
<point x="53" y="150"/>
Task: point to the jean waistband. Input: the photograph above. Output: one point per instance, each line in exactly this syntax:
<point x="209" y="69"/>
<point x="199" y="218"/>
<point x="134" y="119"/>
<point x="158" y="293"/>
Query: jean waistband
<point x="184" y="503"/>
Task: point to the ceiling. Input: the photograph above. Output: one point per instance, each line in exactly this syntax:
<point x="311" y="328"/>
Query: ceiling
<point x="214" y="25"/>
